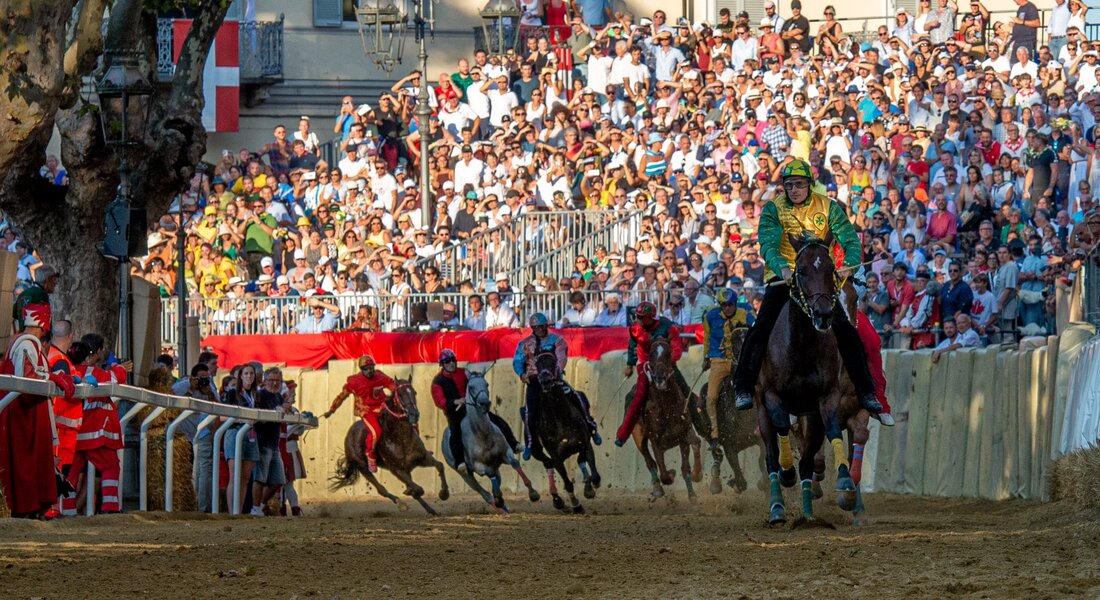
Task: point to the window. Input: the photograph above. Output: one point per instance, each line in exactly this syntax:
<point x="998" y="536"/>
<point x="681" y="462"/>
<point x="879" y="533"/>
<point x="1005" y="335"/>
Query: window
<point x="333" y="13"/>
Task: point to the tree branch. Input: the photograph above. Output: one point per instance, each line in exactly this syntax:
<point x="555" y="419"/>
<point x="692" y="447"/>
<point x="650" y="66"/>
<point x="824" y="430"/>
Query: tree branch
<point x="83" y="52"/>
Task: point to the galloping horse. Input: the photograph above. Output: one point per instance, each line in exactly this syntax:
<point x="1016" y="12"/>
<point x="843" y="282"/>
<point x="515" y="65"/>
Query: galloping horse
<point x="854" y="418"/>
<point x="666" y="423"/>
<point x="736" y="431"/>
<point x="801" y="376"/>
<point x="561" y="429"/>
<point x="485" y="446"/>
<point x="400" y="450"/>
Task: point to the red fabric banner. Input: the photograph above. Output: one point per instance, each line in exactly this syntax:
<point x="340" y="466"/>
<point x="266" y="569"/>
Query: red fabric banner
<point x="315" y="350"/>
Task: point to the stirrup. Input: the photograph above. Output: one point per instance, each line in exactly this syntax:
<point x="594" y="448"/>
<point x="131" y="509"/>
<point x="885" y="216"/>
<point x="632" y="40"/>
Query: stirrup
<point x="870" y="403"/>
<point x="885" y="418"/>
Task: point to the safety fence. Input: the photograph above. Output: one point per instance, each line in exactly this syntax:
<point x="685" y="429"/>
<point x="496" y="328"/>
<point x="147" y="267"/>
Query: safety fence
<point x="282" y="315"/>
<point x="137" y="400"/>
<point x="538" y="243"/>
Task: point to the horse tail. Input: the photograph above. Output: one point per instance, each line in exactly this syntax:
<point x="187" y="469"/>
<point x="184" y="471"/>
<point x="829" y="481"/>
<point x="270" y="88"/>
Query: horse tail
<point x="347" y="473"/>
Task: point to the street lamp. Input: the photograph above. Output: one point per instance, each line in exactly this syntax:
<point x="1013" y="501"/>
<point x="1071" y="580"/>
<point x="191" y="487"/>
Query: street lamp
<point x="382" y="31"/>
<point x="124" y="95"/>
<point x="495" y="14"/>
<point x="377" y="19"/>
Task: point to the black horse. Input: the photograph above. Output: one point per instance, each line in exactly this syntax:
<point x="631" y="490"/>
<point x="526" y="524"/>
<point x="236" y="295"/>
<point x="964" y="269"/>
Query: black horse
<point x="400" y="450"/>
<point x="559" y="430"/>
<point x="736" y="430"/>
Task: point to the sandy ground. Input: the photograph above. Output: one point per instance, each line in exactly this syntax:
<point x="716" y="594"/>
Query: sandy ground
<point x="624" y="547"/>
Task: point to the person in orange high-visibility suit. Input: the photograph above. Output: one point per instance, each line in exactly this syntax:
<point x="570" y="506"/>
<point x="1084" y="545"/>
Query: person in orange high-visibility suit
<point x="369" y="387"/>
<point x="68" y="412"/>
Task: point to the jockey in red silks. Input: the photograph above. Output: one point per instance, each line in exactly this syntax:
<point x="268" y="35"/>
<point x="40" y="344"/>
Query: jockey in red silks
<point x="647" y="328"/>
<point x="370" y="388"/>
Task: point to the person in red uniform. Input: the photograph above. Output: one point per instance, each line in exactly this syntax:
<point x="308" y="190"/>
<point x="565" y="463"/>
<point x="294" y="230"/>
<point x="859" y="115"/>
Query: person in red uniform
<point x="369" y="387"/>
<point x="449" y="394"/>
<point x="100" y="435"/>
<point x="27" y="467"/>
<point x="68" y="413"/>
<point x="645" y="329"/>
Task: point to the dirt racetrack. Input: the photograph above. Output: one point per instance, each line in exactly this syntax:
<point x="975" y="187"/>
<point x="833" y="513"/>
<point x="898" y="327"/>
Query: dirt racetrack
<point x="624" y="547"/>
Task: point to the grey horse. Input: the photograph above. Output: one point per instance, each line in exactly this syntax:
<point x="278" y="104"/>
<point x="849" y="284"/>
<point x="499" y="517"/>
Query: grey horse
<point x="485" y="446"/>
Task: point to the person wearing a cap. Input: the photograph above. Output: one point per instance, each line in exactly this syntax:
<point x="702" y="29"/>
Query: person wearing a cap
<point x="796" y="30"/>
<point x="797" y="211"/>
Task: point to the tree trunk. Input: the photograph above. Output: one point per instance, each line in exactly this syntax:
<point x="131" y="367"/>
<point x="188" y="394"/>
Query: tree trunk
<point x="66" y="224"/>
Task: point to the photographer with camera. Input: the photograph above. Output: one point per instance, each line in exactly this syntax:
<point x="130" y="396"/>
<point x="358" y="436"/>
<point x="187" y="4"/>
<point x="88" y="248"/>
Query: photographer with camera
<point x="200" y="385"/>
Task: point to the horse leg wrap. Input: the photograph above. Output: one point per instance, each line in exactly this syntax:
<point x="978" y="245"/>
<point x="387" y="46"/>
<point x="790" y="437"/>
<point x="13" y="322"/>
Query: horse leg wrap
<point x="775" y="489"/>
<point x="807" y="498"/>
<point x="857" y="462"/>
<point x="840" y="453"/>
<point x="786" y="457"/>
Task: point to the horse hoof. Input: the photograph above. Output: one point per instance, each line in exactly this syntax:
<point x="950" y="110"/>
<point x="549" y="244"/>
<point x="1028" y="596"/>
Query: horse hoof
<point x="846" y="500"/>
<point x="402" y="506"/>
<point x="845" y="484"/>
<point x="778" y="515"/>
<point x="589" y="491"/>
<point x="658" y="492"/>
<point x="444" y="494"/>
<point x="715" y="486"/>
<point x="693" y="498"/>
<point x="818" y="492"/>
<point x="787" y="477"/>
<point x="669" y="477"/>
<point x="596" y="481"/>
<point x="533" y="495"/>
<point x="559" y="503"/>
<point x="578" y="510"/>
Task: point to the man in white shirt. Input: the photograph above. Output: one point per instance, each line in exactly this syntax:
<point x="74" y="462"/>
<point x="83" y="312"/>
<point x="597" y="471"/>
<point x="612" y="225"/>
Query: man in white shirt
<point x="499" y="314"/>
<point x="957" y="333"/>
<point x="456" y="116"/>
<point x="384" y="186"/>
<point x="579" y="313"/>
<point x="351" y="164"/>
<point x="599" y="69"/>
<point x="1056" y="27"/>
<point x="468" y="169"/>
<point x="613" y="314"/>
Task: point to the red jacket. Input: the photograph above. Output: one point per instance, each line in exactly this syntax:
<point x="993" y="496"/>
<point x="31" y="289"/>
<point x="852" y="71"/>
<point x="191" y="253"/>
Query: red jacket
<point x="641" y="339"/>
<point x="457" y="380"/>
<point x="369" y="396"/>
<point x="100" y="426"/>
<point x="67" y="412"/>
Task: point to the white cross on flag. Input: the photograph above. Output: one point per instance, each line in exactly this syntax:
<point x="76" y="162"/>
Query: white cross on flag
<point x="220" y="75"/>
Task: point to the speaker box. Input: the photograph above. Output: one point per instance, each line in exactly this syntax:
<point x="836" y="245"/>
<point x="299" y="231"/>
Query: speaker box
<point x="138" y="242"/>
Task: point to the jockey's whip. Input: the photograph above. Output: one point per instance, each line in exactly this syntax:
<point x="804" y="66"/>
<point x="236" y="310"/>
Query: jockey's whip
<point x="691" y="388"/>
<point x="840" y="271"/>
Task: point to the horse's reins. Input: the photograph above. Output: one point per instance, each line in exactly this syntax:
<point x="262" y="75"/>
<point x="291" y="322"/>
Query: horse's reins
<point x="799" y="297"/>
<point x="386" y="405"/>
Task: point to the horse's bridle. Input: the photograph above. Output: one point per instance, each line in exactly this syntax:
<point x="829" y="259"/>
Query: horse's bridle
<point x="799" y="297"/>
<point x="404" y="414"/>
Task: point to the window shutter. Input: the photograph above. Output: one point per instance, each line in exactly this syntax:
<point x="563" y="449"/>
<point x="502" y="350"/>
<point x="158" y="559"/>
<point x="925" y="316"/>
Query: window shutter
<point x="755" y="8"/>
<point x="328" y="13"/>
<point x="910" y="7"/>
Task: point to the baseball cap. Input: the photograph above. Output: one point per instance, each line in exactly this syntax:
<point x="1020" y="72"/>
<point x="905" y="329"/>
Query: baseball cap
<point x="267" y="261"/>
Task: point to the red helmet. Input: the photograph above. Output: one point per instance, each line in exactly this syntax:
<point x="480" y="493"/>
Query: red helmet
<point x="366" y="361"/>
<point x="646" y="310"/>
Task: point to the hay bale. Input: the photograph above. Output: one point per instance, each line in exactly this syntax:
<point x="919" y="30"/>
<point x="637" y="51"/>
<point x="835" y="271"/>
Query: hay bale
<point x="1075" y="478"/>
<point x="183" y="493"/>
<point x="4" y="512"/>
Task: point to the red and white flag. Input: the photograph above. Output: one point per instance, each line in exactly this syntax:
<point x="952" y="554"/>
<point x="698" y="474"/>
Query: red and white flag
<point x="220" y="76"/>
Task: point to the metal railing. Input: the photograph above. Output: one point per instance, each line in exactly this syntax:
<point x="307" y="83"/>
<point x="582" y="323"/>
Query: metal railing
<point x="142" y="398"/>
<point x="536" y="243"/>
<point x="278" y="316"/>
<point x="1091" y="290"/>
<point x="260" y="44"/>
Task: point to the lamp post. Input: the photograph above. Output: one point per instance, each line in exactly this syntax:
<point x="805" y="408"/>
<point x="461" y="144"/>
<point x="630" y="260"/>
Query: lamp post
<point x="123" y="111"/>
<point x="181" y="280"/>
<point x="496" y="12"/>
<point x="381" y="28"/>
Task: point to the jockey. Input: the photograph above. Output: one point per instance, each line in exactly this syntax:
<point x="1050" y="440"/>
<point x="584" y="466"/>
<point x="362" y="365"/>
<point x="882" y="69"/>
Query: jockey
<point x="798" y="211"/>
<point x="449" y="394"/>
<point x="541" y="340"/>
<point x="647" y="328"/>
<point x="719" y="323"/>
<point x="370" y="388"/>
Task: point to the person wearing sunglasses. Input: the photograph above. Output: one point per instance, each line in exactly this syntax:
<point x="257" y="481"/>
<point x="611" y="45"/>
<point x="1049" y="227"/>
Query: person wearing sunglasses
<point x="801" y="209"/>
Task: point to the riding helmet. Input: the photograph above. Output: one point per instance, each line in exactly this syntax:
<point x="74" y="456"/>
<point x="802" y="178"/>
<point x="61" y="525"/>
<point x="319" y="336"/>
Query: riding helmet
<point x="726" y="296"/>
<point x="366" y="361"/>
<point x="538" y="320"/>
<point x="798" y="168"/>
<point x="447" y="355"/>
<point x="646" y="310"/>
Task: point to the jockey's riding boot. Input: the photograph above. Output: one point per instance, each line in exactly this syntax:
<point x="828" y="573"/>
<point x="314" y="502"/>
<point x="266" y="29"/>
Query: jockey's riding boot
<point x="885" y="418"/>
<point x="869" y="402"/>
<point x="596" y="439"/>
<point x="461" y="468"/>
<point x="295" y="511"/>
<point x="619" y="443"/>
<point x="372" y="464"/>
<point x="527" y="453"/>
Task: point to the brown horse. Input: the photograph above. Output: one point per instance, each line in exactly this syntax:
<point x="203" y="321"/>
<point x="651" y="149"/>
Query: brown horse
<point x="801" y="376"/>
<point x="399" y="451"/>
<point x="736" y="430"/>
<point x="666" y="423"/>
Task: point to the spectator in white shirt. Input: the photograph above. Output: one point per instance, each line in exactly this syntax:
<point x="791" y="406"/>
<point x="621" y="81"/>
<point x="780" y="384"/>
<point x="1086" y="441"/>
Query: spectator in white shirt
<point x="475" y="315"/>
<point x="957" y="333"/>
<point x="579" y="314"/>
<point x="499" y="314"/>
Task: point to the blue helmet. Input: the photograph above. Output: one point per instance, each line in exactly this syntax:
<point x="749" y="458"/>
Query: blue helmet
<point x="447" y="355"/>
<point x="726" y="296"/>
<point x="538" y="320"/>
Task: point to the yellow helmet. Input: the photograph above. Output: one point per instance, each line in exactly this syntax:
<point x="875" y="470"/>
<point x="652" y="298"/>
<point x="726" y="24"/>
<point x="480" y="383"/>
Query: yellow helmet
<point x="798" y="168"/>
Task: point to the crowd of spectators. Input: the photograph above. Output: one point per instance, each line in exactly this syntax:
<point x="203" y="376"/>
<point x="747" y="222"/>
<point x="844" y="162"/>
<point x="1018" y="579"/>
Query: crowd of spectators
<point x="961" y="143"/>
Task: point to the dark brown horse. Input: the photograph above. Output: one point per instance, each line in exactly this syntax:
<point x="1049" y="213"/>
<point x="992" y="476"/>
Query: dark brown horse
<point x="736" y="430"/>
<point x="666" y="424"/>
<point x="399" y="451"/>
<point x="801" y="376"/>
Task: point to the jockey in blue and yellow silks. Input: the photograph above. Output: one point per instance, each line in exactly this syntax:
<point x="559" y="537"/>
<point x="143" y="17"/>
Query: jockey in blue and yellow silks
<point x="719" y="323"/>
<point x="523" y="363"/>
<point x="800" y="211"/>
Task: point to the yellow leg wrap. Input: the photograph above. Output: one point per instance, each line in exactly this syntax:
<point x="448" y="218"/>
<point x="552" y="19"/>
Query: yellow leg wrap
<point x="786" y="457"/>
<point x="840" y="453"/>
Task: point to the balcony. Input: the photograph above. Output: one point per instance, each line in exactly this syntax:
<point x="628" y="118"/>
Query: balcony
<point x="261" y="56"/>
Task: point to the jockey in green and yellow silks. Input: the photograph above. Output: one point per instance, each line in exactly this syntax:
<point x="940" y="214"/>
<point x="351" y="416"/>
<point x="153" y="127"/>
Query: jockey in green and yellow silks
<point x="800" y="211"/>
